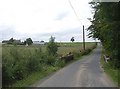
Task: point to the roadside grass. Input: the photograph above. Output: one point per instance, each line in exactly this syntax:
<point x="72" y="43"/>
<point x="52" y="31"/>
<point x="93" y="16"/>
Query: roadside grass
<point x="110" y="71"/>
<point x="31" y="79"/>
<point x="22" y="55"/>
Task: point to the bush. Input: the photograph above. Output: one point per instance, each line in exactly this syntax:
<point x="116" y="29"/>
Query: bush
<point x="7" y="69"/>
<point x="18" y="63"/>
<point x="76" y="54"/>
<point x="50" y="59"/>
<point x="19" y="71"/>
<point x="52" y="47"/>
<point x="32" y="64"/>
<point x="6" y="75"/>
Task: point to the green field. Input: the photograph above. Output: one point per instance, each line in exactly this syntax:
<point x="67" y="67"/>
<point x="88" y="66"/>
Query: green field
<point x="72" y="47"/>
<point x="21" y="63"/>
<point x="63" y="48"/>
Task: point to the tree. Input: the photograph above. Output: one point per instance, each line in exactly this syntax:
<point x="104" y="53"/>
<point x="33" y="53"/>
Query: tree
<point x="52" y="46"/>
<point x="29" y="41"/>
<point x="72" y="39"/>
<point x="24" y="42"/>
<point x="105" y="26"/>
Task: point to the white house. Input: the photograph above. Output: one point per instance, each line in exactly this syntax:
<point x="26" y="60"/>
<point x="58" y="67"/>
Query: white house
<point x="38" y="42"/>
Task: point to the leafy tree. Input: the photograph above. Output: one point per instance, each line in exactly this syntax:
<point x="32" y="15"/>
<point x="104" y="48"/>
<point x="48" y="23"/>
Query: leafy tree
<point x="52" y="46"/>
<point x="29" y="41"/>
<point x="105" y="26"/>
<point x="72" y="39"/>
<point x="24" y="42"/>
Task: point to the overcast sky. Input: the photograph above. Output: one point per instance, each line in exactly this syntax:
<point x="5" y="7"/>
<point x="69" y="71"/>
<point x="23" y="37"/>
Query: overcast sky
<point x="39" y="19"/>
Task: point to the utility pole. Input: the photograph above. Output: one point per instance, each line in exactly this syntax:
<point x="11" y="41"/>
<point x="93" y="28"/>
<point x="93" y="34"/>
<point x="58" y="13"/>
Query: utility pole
<point x="83" y="38"/>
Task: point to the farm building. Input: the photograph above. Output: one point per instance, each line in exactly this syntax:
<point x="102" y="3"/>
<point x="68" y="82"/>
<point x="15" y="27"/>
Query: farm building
<point x="38" y="42"/>
<point x="11" y="42"/>
<point x="17" y="41"/>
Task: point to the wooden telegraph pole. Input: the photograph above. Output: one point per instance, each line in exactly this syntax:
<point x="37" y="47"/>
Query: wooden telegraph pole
<point x="83" y="38"/>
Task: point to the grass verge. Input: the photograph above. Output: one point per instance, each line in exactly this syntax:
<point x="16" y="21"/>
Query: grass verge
<point x="31" y="79"/>
<point x="113" y="73"/>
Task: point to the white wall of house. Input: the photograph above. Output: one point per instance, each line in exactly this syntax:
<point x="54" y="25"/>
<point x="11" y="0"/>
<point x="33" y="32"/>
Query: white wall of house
<point x="38" y="43"/>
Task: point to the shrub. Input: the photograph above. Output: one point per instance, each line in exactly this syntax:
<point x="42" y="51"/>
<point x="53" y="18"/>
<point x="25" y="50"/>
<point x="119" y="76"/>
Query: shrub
<point x="19" y="71"/>
<point x="7" y="69"/>
<point x="32" y="65"/>
<point x="52" y="47"/>
<point x="6" y="75"/>
<point x="18" y="63"/>
<point x="33" y="61"/>
<point x="50" y="59"/>
<point x="76" y="54"/>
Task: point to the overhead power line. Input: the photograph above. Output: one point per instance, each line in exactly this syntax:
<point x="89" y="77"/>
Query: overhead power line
<point x="80" y="23"/>
<point x="74" y="11"/>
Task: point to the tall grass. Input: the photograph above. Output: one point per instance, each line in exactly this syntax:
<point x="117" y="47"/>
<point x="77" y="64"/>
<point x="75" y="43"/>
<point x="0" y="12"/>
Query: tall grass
<point x="110" y="69"/>
<point x="19" y="62"/>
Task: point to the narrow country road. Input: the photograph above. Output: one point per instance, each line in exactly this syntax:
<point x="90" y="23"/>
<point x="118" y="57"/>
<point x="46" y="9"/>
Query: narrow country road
<point x="82" y="73"/>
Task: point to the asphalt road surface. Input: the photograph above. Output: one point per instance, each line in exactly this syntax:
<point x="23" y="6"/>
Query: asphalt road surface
<point x="82" y="73"/>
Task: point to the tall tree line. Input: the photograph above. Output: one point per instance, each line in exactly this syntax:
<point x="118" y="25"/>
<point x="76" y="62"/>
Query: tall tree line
<point x="106" y="27"/>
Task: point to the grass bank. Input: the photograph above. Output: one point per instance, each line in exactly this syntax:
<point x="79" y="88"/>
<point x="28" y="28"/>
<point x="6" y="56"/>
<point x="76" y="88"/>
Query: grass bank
<point x="110" y="70"/>
<point x="36" y="76"/>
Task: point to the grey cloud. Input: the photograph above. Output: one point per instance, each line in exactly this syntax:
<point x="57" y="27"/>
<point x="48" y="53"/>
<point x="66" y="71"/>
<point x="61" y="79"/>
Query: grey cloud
<point x="62" y="16"/>
<point x="63" y="35"/>
<point x="6" y="32"/>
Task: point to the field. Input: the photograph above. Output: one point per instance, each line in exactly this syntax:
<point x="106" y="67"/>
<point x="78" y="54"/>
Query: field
<point x="72" y="47"/>
<point x="20" y="62"/>
<point x="63" y="48"/>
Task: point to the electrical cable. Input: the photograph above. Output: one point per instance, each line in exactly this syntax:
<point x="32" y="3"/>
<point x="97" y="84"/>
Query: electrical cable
<point x="74" y="11"/>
